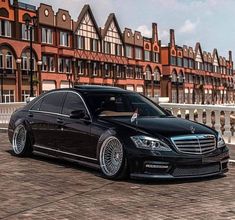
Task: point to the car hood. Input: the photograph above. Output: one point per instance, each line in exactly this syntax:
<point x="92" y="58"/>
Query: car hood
<point x="167" y="126"/>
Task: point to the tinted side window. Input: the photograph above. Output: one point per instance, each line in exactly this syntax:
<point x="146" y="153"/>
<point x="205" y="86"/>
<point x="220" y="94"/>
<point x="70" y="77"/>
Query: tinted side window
<point x="37" y="105"/>
<point x="52" y="102"/>
<point x="72" y="102"/>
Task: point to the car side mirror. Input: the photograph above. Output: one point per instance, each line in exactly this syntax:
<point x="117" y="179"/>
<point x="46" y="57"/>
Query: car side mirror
<point x="168" y="111"/>
<point x="79" y="114"/>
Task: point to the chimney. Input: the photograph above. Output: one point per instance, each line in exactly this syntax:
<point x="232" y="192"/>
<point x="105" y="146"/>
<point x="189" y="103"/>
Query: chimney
<point x="172" y="37"/>
<point x="154" y="32"/>
<point x="230" y="56"/>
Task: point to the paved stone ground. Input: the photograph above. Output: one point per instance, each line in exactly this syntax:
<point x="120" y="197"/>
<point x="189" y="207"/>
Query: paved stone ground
<point x="45" y="188"/>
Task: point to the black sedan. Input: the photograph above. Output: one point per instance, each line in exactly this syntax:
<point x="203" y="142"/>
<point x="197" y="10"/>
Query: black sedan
<point x="121" y="132"/>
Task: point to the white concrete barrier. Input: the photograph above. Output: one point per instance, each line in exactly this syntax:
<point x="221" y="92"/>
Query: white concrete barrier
<point x="6" y="109"/>
<point x="219" y="117"/>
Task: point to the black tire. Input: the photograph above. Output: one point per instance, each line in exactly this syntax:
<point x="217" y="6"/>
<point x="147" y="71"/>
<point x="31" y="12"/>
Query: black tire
<point x="121" y="170"/>
<point x="21" y="144"/>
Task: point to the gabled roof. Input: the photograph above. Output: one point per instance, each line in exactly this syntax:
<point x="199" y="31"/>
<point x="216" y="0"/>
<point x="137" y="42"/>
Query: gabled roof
<point x="215" y="55"/>
<point x="87" y="9"/>
<point x="111" y="18"/>
<point x="198" y="48"/>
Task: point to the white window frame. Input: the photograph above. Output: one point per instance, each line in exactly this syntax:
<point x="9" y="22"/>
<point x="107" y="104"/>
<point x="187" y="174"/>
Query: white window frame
<point x="64" y="43"/>
<point x="11" y="57"/>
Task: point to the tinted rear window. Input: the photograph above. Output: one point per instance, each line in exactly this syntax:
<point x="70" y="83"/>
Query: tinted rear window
<point x="53" y="102"/>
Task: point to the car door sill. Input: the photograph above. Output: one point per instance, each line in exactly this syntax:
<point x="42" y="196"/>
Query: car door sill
<point x="64" y="152"/>
<point x="83" y="163"/>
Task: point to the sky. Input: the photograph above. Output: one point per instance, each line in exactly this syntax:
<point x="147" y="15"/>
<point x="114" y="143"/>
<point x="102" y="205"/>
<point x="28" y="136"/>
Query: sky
<point x="210" y="22"/>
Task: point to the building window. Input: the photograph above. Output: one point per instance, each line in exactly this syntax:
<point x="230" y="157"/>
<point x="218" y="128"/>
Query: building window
<point x="173" y="60"/>
<point x="5" y="28"/>
<point x="129" y="52"/>
<point x="156" y="57"/>
<point x="147" y="55"/>
<point x="94" y="68"/>
<point x="179" y="61"/>
<point x="46" y="35"/>
<point x="8" y="96"/>
<point x="94" y="45"/>
<point x="119" y="71"/>
<point x="64" y="65"/>
<point x="48" y="63"/>
<point x="80" y="42"/>
<point x="107" y="47"/>
<point x="26" y="32"/>
<point x="191" y="63"/>
<point x="138" y="53"/>
<point x="201" y="66"/>
<point x="24" y="95"/>
<point x="1" y="60"/>
<point x="107" y="69"/>
<point x="129" y="72"/>
<point x="67" y="65"/>
<point x="118" y="49"/>
<point x="138" y="72"/>
<point x="24" y="63"/>
<point x="64" y="39"/>
<point x="206" y="66"/>
<point x="9" y="61"/>
<point x="81" y="67"/>
<point x="185" y="61"/>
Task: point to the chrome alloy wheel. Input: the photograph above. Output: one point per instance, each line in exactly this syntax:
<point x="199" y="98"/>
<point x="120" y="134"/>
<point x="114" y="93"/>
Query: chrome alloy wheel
<point x="111" y="156"/>
<point x="19" y="139"/>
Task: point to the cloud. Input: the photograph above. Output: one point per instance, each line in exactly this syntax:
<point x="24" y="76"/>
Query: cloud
<point x="188" y="27"/>
<point x="147" y="32"/>
<point x="164" y="36"/>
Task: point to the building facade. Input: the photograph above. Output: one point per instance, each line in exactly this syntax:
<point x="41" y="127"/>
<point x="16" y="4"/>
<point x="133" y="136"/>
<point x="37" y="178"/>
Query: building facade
<point x="68" y="52"/>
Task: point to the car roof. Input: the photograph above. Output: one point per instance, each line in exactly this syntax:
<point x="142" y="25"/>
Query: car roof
<point x="93" y="88"/>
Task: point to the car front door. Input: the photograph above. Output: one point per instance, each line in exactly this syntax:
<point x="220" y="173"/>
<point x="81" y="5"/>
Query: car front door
<point x="75" y="133"/>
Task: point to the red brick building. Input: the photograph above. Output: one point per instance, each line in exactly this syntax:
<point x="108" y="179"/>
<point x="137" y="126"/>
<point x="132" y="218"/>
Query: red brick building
<point x="67" y="52"/>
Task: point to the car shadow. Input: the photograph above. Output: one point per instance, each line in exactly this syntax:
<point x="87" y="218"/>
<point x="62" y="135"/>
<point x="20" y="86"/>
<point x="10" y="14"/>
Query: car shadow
<point x="76" y="165"/>
<point x="60" y="162"/>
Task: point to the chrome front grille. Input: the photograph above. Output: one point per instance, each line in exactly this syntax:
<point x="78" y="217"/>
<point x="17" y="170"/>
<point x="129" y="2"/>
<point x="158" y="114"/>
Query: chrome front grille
<point x="195" y="144"/>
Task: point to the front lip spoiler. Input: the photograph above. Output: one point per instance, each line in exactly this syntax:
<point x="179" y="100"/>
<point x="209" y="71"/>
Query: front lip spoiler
<point x="168" y="176"/>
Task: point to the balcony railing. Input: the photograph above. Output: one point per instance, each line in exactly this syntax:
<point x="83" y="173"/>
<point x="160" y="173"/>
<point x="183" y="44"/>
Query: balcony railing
<point x="6" y="109"/>
<point x="219" y="117"/>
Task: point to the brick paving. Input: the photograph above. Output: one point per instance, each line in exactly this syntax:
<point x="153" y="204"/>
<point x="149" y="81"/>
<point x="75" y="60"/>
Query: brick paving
<point x="46" y="188"/>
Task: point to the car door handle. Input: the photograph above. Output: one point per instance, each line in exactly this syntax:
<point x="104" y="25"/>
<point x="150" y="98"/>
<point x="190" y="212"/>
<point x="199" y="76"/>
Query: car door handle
<point x="30" y="114"/>
<point x="59" y="121"/>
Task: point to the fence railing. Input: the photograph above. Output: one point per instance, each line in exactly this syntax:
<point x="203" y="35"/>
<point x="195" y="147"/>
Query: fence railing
<point x="6" y="109"/>
<point x="219" y="117"/>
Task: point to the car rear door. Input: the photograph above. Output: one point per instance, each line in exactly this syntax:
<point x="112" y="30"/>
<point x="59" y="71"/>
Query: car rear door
<point x="76" y="132"/>
<point x="44" y="120"/>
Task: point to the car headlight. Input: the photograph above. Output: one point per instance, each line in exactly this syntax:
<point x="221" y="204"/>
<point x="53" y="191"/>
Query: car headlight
<point x="220" y="141"/>
<point x="149" y="143"/>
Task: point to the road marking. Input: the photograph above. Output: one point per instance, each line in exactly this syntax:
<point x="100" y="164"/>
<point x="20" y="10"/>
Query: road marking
<point x="232" y="161"/>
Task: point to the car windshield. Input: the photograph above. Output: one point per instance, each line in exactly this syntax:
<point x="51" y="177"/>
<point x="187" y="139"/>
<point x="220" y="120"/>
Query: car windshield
<point x="122" y="104"/>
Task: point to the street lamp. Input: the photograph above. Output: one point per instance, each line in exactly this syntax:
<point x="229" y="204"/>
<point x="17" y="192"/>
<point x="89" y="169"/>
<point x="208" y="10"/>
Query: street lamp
<point x="177" y="89"/>
<point x="29" y="28"/>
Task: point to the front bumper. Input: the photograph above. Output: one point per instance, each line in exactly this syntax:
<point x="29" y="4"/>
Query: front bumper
<point x="171" y="165"/>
